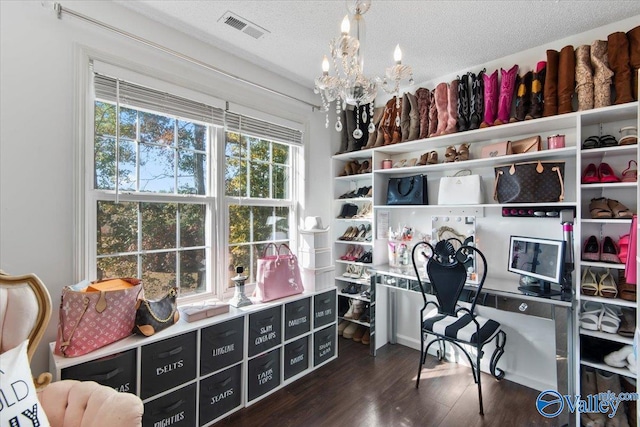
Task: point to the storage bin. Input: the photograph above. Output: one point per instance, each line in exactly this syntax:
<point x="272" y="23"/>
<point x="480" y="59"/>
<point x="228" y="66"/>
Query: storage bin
<point x="265" y="330"/>
<point x="317" y="279"/>
<point x="296" y="357"/>
<point x="297" y="318"/>
<point x="315" y="258"/>
<point x="264" y="374"/>
<point x="324" y="308"/>
<point x="117" y="371"/>
<point x="220" y="393"/>
<point x="314" y="240"/>
<point x="324" y="345"/>
<point x="221" y="345"/>
<point x="168" y="363"/>
<point x="177" y="409"/>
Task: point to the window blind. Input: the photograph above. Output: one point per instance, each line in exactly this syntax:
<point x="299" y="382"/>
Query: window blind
<point x="261" y="129"/>
<point x="151" y="99"/>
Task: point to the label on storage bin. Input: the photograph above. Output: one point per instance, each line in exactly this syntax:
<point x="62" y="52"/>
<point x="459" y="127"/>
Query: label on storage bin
<point x="324" y="349"/>
<point x="324" y="313"/>
<point x="267" y="334"/>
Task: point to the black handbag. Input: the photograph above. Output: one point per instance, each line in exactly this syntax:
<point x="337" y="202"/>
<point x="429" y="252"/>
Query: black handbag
<point x="531" y="182"/>
<point x="156" y="315"/>
<point x="408" y="190"/>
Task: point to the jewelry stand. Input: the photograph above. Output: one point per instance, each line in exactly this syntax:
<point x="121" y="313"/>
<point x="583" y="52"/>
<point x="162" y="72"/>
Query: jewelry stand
<point x="239" y="298"/>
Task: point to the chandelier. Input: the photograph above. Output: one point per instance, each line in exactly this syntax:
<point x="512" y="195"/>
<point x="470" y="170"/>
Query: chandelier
<point x="349" y="85"/>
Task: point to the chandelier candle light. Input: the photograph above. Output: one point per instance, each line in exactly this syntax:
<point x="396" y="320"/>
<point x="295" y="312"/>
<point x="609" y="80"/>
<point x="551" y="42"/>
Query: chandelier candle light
<point x="350" y="85"/>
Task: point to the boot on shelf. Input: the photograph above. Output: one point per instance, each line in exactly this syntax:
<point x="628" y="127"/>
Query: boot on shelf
<point x="452" y="108"/>
<point x="442" y="101"/>
<point x="405" y="121"/>
<point x="344" y="140"/>
<point x="414" y="118"/>
<point x="490" y="98"/>
<point x="629" y="386"/>
<point x="584" y="78"/>
<point x="610" y="382"/>
<point x="536" y="103"/>
<point x="633" y="37"/>
<point x="389" y="106"/>
<point x="352" y="144"/>
<point x="433" y="114"/>
<point x="463" y="102"/>
<point x="476" y="110"/>
<point x="523" y="97"/>
<point x="551" y="85"/>
<point x="377" y="116"/>
<point x="588" y="386"/>
<point x="424" y="100"/>
<point x="507" y="88"/>
<point x="618" y="53"/>
<point x="566" y="79"/>
<point x="602" y="74"/>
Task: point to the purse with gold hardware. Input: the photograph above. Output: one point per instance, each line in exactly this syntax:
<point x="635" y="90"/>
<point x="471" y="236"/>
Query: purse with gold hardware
<point x="526" y="145"/>
<point x="496" y="150"/>
<point x="530" y="182"/>
<point x="156" y="315"/>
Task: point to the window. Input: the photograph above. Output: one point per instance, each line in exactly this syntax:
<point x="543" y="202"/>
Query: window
<point x="152" y="207"/>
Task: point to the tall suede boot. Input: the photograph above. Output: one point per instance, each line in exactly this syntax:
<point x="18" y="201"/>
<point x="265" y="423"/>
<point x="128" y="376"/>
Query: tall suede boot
<point x="433" y="115"/>
<point x="566" y="79"/>
<point x="404" y="118"/>
<point x="350" y="127"/>
<point x="490" y="99"/>
<point x="606" y="382"/>
<point x="477" y="100"/>
<point x="442" y="101"/>
<point x="588" y="386"/>
<point x="584" y="78"/>
<point x="396" y="134"/>
<point x="377" y="116"/>
<point x="452" y="108"/>
<point x="414" y="118"/>
<point x="551" y="85"/>
<point x="464" y="98"/>
<point x="633" y="37"/>
<point x="602" y="74"/>
<point x="507" y="89"/>
<point x="424" y="100"/>
<point x="389" y="110"/>
<point x="618" y="53"/>
<point x="523" y="97"/>
<point x="344" y="140"/>
<point x="536" y="103"/>
<point x="629" y="386"/>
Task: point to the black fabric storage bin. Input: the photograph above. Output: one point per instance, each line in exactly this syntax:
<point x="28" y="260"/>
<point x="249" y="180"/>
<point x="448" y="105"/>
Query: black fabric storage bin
<point x="177" y="409"/>
<point x="324" y="309"/>
<point x="265" y="330"/>
<point x="296" y="318"/>
<point x="167" y="364"/>
<point x="324" y="345"/>
<point x="296" y="357"/>
<point x="264" y="374"/>
<point x="221" y="345"/>
<point x="117" y="371"/>
<point x="220" y="393"/>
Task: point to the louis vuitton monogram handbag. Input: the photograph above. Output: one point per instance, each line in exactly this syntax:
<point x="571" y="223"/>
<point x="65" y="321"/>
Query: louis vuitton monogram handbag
<point x="529" y="182"/>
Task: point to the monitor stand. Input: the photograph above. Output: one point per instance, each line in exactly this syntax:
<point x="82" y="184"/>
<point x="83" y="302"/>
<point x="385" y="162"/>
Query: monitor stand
<point x="537" y="288"/>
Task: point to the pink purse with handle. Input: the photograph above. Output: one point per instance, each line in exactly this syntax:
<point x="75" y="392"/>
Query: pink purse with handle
<point x="278" y="275"/>
<point x="631" y="267"/>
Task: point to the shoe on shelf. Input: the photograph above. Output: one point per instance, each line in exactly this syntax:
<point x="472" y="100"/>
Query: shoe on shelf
<point x="618" y="359"/>
<point x="607" y="287"/>
<point x="610" y="319"/>
<point x="606" y="174"/>
<point x="629" y="135"/>
<point x="348" y="254"/>
<point x="588" y="284"/>
<point x="359" y="333"/>
<point x="632" y="362"/>
<point x="630" y="174"/>
<point x="590" y="174"/>
<point x="619" y="210"/>
<point x="343" y="324"/>
<point x="355" y="310"/>
<point x="609" y="251"/>
<point x="628" y="324"/>
<point x="599" y="208"/>
<point x="590" y="315"/>
<point x="350" y="330"/>
<point x="591" y="249"/>
<point x="366" y="338"/>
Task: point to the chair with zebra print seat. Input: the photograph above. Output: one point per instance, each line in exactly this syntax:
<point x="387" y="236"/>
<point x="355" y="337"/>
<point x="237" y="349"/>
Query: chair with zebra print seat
<point x="446" y="318"/>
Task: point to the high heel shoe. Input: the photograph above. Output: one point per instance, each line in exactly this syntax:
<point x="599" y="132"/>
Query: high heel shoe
<point x="609" y="251"/>
<point x="432" y="158"/>
<point x="591" y="249"/>
<point x="347" y="232"/>
<point x="630" y="174"/>
<point x="450" y="154"/>
<point x="463" y="153"/>
<point x="347" y="255"/>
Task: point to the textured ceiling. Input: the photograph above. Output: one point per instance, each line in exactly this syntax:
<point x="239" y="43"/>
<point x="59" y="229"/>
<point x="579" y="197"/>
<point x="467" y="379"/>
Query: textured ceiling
<point x="436" y="37"/>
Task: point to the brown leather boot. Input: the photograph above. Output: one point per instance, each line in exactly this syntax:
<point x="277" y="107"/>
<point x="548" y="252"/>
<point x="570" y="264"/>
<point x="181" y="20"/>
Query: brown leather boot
<point x="537" y="95"/>
<point x="566" y="79"/>
<point x="384" y="128"/>
<point x="442" y="101"/>
<point x="584" y="78"/>
<point x="602" y="74"/>
<point x="618" y="53"/>
<point x="404" y="118"/>
<point x="452" y="108"/>
<point x="633" y="37"/>
<point x="377" y="116"/>
<point x="523" y="97"/>
<point x="433" y="114"/>
<point x="414" y="118"/>
<point x="551" y="85"/>
<point x="424" y="100"/>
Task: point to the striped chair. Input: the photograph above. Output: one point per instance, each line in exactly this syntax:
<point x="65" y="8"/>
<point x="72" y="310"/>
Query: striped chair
<point x="447" y="320"/>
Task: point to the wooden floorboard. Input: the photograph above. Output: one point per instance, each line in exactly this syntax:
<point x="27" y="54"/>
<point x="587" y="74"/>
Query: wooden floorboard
<point x="359" y="390"/>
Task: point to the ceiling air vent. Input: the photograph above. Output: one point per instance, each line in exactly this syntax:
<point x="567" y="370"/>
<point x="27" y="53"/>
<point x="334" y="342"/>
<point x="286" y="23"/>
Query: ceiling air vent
<point x="242" y="24"/>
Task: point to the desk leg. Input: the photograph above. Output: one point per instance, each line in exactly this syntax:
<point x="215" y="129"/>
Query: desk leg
<point x="563" y="322"/>
<point x="392" y="322"/>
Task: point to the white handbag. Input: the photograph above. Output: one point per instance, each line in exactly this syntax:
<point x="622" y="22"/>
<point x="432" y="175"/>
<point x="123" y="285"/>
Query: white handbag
<point x="463" y="188"/>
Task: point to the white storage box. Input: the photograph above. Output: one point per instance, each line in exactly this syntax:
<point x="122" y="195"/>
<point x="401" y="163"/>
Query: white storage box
<point x="316" y="279"/>
<point x="319" y="258"/>
<point x="314" y="240"/>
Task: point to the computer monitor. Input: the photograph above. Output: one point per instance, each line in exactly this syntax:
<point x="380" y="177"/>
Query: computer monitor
<point x="539" y="261"/>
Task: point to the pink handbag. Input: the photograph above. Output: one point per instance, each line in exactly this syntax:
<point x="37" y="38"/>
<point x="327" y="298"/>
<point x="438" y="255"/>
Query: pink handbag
<point x="90" y="320"/>
<point x="278" y="275"/>
<point x="631" y="266"/>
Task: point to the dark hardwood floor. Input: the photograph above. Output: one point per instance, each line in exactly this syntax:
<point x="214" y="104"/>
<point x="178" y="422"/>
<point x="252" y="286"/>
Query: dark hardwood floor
<point x="360" y="390"/>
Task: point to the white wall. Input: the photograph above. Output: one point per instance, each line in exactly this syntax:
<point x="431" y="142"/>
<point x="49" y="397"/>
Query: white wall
<point x="38" y="82"/>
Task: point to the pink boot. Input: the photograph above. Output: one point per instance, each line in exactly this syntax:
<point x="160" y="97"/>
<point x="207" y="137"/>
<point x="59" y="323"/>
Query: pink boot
<point x="490" y="98"/>
<point x="452" y="108"/>
<point x="507" y="88"/>
<point x="442" y="99"/>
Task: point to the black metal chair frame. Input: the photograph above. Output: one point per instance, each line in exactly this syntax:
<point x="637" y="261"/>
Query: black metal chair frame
<point x="449" y="258"/>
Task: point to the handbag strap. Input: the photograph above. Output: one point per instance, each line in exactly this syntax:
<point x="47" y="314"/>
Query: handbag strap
<point x="495" y="185"/>
<point x="556" y="169"/>
<point x="266" y="248"/>
<point x="172" y="293"/>
<point x="65" y="342"/>
<point x="463" y="172"/>
<point x="410" y="188"/>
